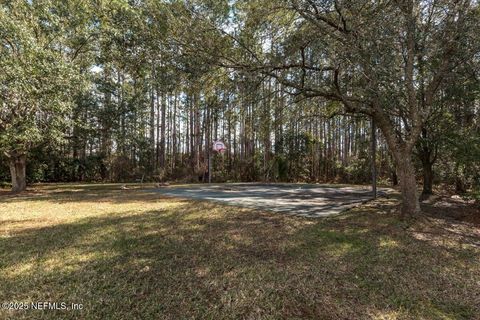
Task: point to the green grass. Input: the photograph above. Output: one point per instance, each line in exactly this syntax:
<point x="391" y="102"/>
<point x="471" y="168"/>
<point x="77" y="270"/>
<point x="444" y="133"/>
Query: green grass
<point x="133" y="254"/>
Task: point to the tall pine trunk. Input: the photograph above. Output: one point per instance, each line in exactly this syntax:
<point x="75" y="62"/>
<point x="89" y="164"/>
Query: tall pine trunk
<point x="153" y="163"/>
<point x="162" y="132"/>
<point x="18" y="172"/>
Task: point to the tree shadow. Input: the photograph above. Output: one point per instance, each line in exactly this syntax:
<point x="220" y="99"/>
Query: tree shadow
<point x="201" y="260"/>
<point x="112" y="193"/>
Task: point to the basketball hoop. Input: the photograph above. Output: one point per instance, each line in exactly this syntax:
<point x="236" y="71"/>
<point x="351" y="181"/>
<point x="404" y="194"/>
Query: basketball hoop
<point x="219" y="146"/>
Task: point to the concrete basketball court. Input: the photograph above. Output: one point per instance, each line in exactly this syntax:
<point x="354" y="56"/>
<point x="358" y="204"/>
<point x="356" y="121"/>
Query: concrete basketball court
<point x="309" y="200"/>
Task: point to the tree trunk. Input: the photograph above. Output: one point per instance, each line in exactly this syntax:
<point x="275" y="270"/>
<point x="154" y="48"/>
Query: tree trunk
<point x="394" y="178"/>
<point x="427" y="153"/>
<point x="174" y="132"/>
<point x="460" y="186"/>
<point x="402" y="153"/>
<point x="18" y="172"/>
<point x="162" y="132"/>
<point x="197" y="140"/>
<point x="408" y="186"/>
<point x="374" y="158"/>
<point x="153" y="163"/>
<point x="427" y="178"/>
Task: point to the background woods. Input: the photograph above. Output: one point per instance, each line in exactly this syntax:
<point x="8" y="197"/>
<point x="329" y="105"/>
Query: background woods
<point x="127" y="90"/>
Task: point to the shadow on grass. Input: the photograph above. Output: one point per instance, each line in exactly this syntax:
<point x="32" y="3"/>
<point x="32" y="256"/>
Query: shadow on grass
<point x="65" y="193"/>
<point x="200" y="260"/>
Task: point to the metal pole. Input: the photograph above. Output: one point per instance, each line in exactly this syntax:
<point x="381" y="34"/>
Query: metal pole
<point x="374" y="158"/>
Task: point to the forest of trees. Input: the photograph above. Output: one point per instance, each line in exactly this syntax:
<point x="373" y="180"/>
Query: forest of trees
<point x="120" y="91"/>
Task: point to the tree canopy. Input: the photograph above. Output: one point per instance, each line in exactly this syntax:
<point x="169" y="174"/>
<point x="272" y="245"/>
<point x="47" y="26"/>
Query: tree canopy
<point x="117" y="90"/>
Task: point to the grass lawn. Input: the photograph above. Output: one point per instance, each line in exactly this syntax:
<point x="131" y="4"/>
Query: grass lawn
<point x="132" y="254"/>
